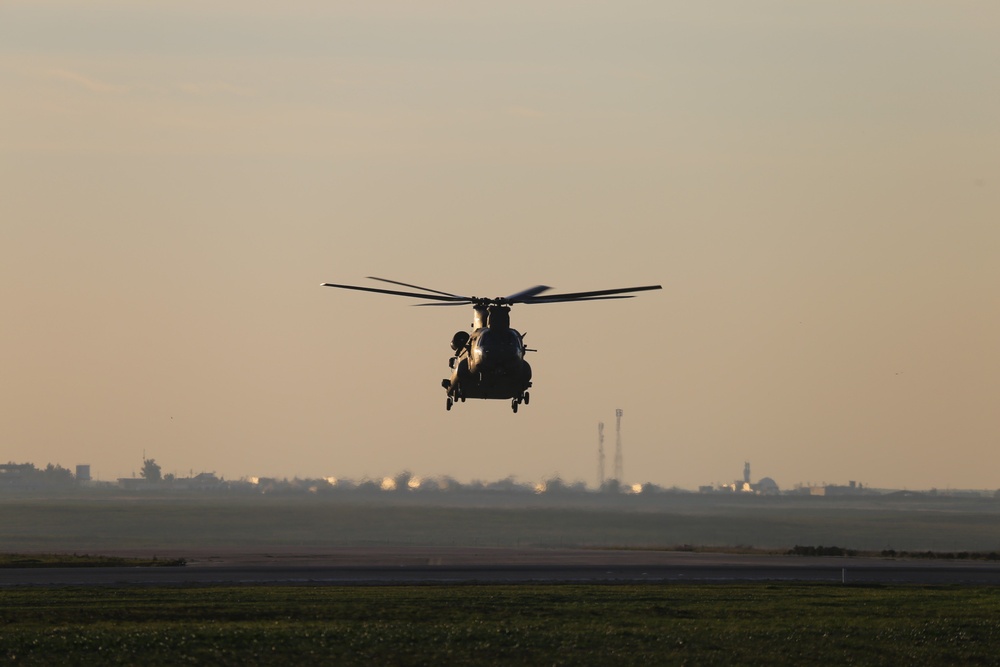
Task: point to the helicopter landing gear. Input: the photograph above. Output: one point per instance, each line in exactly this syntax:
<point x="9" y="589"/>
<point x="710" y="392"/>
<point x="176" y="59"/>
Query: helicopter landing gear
<point x="448" y="404"/>
<point x="513" y="405"/>
<point x="517" y="400"/>
<point x="526" y="396"/>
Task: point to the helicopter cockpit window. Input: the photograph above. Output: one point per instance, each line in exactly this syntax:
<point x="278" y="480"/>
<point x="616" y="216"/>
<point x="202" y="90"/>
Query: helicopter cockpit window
<point x="509" y="339"/>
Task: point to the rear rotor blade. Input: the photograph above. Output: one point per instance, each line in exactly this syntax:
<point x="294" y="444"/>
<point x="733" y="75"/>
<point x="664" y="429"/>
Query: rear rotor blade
<point x="556" y="299"/>
<point x="426" y="289"/>
<point x="589" y="296"/>
<point x="452" y="298"/>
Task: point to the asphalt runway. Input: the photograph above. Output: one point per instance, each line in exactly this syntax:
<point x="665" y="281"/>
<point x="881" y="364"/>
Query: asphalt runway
<point x="408" y="566"/>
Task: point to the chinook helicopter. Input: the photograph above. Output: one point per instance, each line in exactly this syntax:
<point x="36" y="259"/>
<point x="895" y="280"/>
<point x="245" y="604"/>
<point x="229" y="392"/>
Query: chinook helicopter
<point x="489" y="362"/>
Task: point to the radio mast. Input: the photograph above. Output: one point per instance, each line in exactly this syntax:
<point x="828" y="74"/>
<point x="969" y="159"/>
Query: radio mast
<point x="619" y="473"/>
<point x="600" y="455"/>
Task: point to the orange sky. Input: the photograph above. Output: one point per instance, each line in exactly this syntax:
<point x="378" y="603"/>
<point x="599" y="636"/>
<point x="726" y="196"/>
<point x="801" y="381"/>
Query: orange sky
<point x="816" y="186"/>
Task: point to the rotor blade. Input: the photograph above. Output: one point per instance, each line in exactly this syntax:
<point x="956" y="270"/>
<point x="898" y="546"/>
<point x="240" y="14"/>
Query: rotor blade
<point x="556" y="299"/>
<point x="426" y="289"/>
<point x="456" y="299"/>
<point x="589" y="296"/>
<point x="525" y="295"/>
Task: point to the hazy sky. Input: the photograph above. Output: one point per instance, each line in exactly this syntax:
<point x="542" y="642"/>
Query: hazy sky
<point x="815" y="184"/>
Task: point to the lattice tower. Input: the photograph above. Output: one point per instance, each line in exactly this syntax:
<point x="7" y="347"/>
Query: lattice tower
<point x="619" y="466"/>
<point x="600" y="455"/>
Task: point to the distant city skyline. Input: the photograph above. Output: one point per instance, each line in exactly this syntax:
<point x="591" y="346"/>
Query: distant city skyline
<point x="763" y="484"/>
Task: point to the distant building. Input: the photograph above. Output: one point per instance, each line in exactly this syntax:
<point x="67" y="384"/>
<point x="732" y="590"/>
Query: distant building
<point x="83" y="473"/>
<point x="134" y="483"/>
<point x="852" y="489"/>
<point x="206" y="480"/>
<point x="767" y="487"/>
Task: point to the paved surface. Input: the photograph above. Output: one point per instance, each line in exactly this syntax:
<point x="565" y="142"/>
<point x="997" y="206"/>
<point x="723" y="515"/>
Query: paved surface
<point x="502" y="566"/>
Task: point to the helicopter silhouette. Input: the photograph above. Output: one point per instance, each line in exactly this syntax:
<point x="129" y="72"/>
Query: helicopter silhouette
<point x="489" y="363"/>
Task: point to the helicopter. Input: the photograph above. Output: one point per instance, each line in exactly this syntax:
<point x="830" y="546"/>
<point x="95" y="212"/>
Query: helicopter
<point x="489" y="363"/>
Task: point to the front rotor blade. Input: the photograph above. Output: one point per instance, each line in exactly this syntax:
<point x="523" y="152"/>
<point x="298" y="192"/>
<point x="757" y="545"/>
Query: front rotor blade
<point x="589" y="296"/>
<point x="456" y="299"/>
<point x="426" y="289"/>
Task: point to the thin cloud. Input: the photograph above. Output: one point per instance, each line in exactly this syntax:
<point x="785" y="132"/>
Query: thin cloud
<point x="187" y="88"/>
<point x="91" y="84"/>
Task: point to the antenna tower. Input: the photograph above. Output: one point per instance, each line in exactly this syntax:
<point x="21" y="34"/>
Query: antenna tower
<point x="600" y="455"/>
<point x="619" y="473"/>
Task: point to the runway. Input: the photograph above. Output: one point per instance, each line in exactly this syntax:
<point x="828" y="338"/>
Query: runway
<point x="407" y="566"/>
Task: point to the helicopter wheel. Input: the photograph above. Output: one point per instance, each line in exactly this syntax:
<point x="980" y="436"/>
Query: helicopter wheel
<point x="448" y="404"/>
<point x="513" y="405"/>
<point x="526" y="396"/>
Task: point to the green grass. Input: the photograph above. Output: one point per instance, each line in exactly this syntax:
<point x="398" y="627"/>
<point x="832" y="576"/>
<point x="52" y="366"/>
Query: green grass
<point x="568" y="625"/>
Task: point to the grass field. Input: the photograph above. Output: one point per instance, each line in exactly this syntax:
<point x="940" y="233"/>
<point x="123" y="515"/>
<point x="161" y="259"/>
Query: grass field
<point x="558" y="624"/>
<point x="714" y="624"/>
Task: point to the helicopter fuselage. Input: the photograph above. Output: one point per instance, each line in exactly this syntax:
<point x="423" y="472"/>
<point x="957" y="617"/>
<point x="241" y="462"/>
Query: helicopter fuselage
<point x="490" y="362"/>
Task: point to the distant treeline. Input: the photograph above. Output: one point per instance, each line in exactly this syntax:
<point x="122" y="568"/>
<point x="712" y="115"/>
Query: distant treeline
<point x="27" y="474"/>
<point x="85" y="560"/>
<point x="799" y="550"/>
